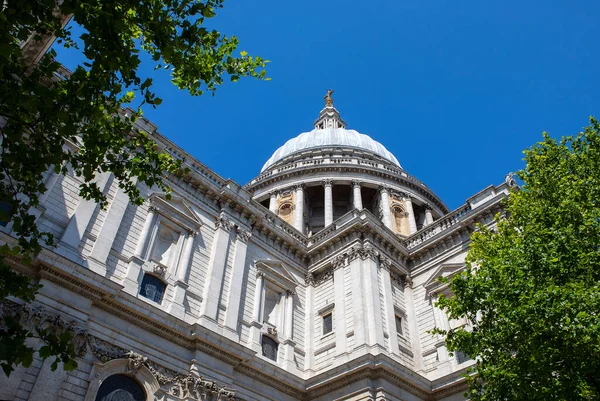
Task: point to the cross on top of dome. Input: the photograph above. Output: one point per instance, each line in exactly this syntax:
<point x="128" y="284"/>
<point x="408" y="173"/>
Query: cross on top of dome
<point x="329" y="117"/>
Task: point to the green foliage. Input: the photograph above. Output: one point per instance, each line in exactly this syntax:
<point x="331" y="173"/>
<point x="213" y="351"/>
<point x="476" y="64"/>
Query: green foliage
<point x="531" y="289"/>
<point x="43" y="110"/>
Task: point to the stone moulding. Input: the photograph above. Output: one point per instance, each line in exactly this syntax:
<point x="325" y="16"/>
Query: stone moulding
<point x="189" y="386"/>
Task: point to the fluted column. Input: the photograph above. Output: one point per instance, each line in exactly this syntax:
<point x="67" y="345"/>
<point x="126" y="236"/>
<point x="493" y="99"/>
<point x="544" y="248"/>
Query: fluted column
<point x="384" y="204"/>
<point x="412" y="223"/>
<point x="328" y="202"/>
<point x="273" y="201"/>
<point x="428" y="217"/>
<point x="357" y="198"/>
<point x="299" y="216"/>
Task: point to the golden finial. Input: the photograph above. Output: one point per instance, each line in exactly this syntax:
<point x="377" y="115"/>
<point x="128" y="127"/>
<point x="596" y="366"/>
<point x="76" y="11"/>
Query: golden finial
<point x="328" y="98"/>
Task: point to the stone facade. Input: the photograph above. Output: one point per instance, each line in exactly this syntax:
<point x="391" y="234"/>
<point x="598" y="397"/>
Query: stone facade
<point x="315" y="281"/>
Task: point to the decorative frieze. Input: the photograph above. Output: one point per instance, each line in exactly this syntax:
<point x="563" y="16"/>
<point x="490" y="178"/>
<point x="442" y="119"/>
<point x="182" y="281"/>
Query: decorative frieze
<point x="321" y="277"/>
<point x="35" y="320"/>
<point x="189" y="387"/>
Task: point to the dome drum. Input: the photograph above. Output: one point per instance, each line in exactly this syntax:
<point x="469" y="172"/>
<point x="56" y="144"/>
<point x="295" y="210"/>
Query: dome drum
<point x="320" y="175"/>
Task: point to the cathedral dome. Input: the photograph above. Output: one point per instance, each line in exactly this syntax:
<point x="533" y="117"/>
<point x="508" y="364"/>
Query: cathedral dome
<point x="318" y="138"/>
<point x="330" y="131"/>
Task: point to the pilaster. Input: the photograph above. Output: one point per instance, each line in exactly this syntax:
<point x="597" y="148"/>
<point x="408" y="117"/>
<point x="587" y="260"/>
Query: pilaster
<point x="211" y="295"/>
<point x="237" y="275"/>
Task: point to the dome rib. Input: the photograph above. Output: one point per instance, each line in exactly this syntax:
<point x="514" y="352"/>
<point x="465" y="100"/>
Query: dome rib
<point x="330" y="137"/>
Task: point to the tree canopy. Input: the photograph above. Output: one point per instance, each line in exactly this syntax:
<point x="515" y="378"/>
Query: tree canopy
<point x="531" y="288"/>
<point x="42" y="109"/>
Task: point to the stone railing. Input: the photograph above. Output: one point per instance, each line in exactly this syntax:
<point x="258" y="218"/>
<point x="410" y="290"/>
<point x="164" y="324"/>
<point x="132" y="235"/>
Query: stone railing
<point x="444" y="223"/>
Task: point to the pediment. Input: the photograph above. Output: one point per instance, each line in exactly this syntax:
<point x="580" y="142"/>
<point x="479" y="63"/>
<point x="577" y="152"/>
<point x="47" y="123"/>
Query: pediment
<point x="176" y="209"/>
<point x="276" y="272"/>
<point x="433" y="285"/>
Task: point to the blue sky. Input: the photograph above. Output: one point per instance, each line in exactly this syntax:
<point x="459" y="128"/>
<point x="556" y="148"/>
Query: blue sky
<point x="455" y="89"/>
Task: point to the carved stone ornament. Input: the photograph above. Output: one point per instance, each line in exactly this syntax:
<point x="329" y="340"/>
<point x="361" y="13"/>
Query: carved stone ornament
<point x="243" y="235"/>
<point x="189" y="386"/>
<point x="272" y="331"/>
<point x="356" y="183"/>
<point x="159" y="269"/>
<point x="327" y="183"/>
<point x="223" y="222"/>
<point x="510" y="180"/>
<point x="34" y="319"/>
<point x="385" y="262"/>
<point x="338" y="261"/>
<point x="309" y="279"/>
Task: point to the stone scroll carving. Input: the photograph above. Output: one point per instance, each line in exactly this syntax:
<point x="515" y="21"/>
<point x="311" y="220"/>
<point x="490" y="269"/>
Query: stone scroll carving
<point x="36" y="320"/>
<point x="187" y="386"/>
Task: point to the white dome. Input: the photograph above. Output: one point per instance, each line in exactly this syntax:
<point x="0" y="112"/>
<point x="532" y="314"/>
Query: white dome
<point x="330" y="137"/>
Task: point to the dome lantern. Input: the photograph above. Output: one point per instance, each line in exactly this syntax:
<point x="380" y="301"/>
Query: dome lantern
<point x="329" y="117"/>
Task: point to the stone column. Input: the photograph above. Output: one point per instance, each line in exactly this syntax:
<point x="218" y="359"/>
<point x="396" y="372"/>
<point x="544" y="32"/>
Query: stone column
<point x="339" y="311"/>
<point x="309" y="336"/>
<point x="372" y="298"/>
<point x="288" y="343"/>
<point x="289" y="315"/>
<point x="384" y="204"/>
<point x="176" y="307"/>
<point x="413" y="330"/>
<point x="256" y="324"/>
<point x="299" y="215"/>
<point x="357" y="198"/>
<point x="388" y="298"/>
<point x="358" y="293"/>
<point x="428" y="217"/>
<point x="139" y="249"/>
<point x="237" y="274"/>
<point x="273" y="201"/>
<point x="412" y="223"/>
<point x="211" y="296"/>
<point x="328" y="185"/>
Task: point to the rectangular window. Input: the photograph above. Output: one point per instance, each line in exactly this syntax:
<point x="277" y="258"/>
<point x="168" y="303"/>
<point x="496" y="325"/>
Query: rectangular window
<point x="152" y="288"/>
<point x="398" y="325"/>
<point x="327" y="323"/>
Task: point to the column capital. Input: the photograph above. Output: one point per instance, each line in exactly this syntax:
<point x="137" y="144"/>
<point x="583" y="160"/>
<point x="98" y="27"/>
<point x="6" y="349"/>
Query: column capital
<point x="384" y="189"/>
<point x="299" y="187"/>
<point x="385" y="262"/>
<point x="338" y="261"/>
<point x="356" y="183"/>
<point x="223" y="222"/>
<point x="309" y="279"/>
<point x="327" y="182"/>
<point x="273" y="194"/>
<point x="243" y="235"/>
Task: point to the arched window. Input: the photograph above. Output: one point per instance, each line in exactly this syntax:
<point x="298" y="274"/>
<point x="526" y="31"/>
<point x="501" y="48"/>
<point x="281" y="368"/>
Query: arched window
<point x="152" y="288"/>
<point x="120" y="388"/>
<point x="399" y="216"/>
<point x="269" y="348"/>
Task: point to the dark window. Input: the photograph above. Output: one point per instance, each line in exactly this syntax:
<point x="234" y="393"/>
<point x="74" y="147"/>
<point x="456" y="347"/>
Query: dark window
<point x="462" y="357"/>
<point x="120" y="388"/>
<point x="152" y="288"/>
<point x="269" y="348"/>
<point x="327" y="323"/>
<point x="6" y="212"/>
<point x="398" y="325"/>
